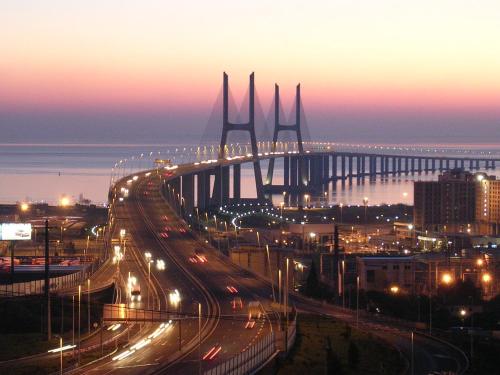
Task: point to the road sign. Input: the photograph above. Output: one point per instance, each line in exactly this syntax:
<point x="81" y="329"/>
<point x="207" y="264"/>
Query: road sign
<point x="15" y="231"/>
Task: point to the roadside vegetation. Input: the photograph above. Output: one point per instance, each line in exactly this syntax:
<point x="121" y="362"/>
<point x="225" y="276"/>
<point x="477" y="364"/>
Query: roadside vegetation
<point x="326" y="346"/>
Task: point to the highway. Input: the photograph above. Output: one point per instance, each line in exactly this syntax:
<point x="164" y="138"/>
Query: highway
<point x="151" y="226"/>
<point x="207" y="279"/>
<point x="150" y="218"/>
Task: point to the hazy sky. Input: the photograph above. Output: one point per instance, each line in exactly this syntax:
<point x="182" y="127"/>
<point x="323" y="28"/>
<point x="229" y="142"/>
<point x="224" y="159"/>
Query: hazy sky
<point x="370" y="70"/>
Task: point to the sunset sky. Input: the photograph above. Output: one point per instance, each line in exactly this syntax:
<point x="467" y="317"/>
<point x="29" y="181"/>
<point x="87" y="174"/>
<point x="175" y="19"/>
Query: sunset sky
<point x="422" y="68"/>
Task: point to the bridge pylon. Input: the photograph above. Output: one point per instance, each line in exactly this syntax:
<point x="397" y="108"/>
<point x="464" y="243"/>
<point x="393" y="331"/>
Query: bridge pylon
<point x="282" y="127"/>
<point x="249" y="126"/>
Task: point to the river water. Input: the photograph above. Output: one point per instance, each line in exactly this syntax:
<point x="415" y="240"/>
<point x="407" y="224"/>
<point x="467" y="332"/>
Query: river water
<point x="46" y="172"/>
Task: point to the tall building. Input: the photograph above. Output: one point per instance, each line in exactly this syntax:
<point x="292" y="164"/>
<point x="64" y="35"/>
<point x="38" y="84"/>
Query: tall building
<point x="488" y="204"/>
<point x="447" y="204"/>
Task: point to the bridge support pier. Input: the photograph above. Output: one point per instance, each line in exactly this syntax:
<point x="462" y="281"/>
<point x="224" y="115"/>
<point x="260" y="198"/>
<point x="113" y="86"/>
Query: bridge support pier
<point x="236" y="182"/>
<point x="203" y="190"/>
<point x="187" y="201"/>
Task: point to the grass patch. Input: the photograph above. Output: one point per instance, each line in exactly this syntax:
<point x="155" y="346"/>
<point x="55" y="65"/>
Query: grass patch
<point x="15" y="345"/>
<point x="352" y="351"/>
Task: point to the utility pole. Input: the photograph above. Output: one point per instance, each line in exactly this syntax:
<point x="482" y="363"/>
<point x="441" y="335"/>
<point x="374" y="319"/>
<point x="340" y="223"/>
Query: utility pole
<point x="357" y="301"/>
<point x="47" y="281"/>
<point x="88" y="305"/>
<point x="199" y="338"/>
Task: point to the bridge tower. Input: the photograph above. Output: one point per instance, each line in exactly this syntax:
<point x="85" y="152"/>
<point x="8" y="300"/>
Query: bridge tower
<point x="281" y="127"/>
<point x="248" y="126"/>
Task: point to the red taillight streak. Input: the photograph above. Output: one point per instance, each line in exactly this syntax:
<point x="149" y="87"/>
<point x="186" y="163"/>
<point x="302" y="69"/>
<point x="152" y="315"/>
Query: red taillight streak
<point x="209" y="353"/>
<point x="216" y="352"/>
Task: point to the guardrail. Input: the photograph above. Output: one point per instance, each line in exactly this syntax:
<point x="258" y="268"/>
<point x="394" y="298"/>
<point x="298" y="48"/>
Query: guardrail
<point x="55" y="283"/>
<point x="257" y="355"/>
<point x="249" y="361"/>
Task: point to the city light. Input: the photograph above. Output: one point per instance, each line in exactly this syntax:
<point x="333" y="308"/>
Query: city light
<point x="61" y="349"/>
<point x="463" y="312"/>
<point x="174" y="297"/>
<point x="24" y="206"/>
<point x="486" y="277"/>
<point x="394" y="289"/>
<point x="447" y="278"/>
<point x="479" y="262"/>
<point x="64" y="201"/>
<point x="160" y="264"/>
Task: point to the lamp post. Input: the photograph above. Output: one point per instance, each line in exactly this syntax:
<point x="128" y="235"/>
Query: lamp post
<point x="61" y="352"/>
<point x="365" y="202"/>
<point x="73" y="321"/>
<point x="79" y="320"/>
<point x="88" y="305"/>
<point x="279" y="286"/>
<point x="148" y="256"/>
<point x="357" y="301"/>
<point x="343" y="283"/>
<point x="270" y="272"/>
<point x="199" y="337"/>
<point x="410" y="227"/>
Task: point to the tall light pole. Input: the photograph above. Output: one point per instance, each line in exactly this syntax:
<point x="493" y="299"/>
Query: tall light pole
<point x="410" y="227"/>
<point x="79" y="320"/>
<point x="270" y="272"/>
<point x="343" y="283"/>
<point x="279" y="286"/>
<point x="61" y="353"/>
<point x="199" y="337"/>
<point x="357" y="301"/>
<point x="88" y="304"/>
<point x="73" y="308"/>
<point x="286" y="306"/>
<point x="341" y="205"/>
<point x="412" y="355"/>
<point x="365" y="202"/>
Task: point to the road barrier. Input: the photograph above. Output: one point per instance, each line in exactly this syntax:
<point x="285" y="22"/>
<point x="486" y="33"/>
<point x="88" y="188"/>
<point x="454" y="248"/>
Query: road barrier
<point x="257" y="355"/>
<point x="249" y="361"/>
<point x="56" y="283"/>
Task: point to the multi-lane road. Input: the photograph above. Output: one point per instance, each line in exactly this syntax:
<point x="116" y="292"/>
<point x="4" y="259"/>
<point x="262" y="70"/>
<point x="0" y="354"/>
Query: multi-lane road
<point x="154" y="226"/>
<point x="208" y="324"/>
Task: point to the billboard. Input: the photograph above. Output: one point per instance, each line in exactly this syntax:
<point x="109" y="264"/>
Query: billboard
<point x="15" y="231"/>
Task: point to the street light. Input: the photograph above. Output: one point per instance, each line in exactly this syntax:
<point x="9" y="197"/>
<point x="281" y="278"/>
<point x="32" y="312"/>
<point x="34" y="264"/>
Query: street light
<point x="486" y="278"/>
<point x="365" y="202"/>
<point x="148" y="259"/>
<point x="24" y="206"/>
<point x="394" y="289"/>
<point x="88" y="304"/>
<point x="64" y="201"/>
<point x="447" y="278"/>
<point x="357" y="301"/>
<point x="341" y="205"/>
<point x="306" y="197"/>
<point x="79" y="320"/>
<point x="160" y="264"/>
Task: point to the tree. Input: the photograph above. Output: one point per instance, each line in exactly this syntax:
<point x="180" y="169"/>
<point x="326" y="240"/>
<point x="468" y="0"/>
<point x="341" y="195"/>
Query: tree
<point x="312" y="283"/>
<point x="347" y="332"/>
<point x="333" y="364"/>
<point x="353" y="355"/>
